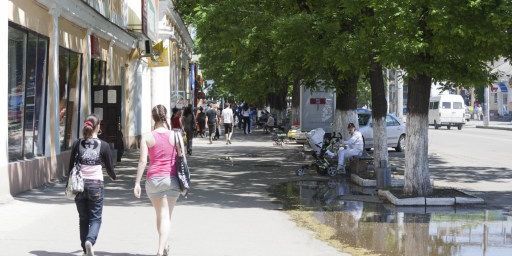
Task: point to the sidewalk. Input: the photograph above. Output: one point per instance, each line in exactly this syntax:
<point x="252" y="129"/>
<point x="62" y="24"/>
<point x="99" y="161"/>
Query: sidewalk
<point x="496" y="125"/>
<point x="228" y="212"/>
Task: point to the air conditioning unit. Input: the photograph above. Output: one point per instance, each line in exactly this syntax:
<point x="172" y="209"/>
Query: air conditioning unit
<point x="145" y="48"/>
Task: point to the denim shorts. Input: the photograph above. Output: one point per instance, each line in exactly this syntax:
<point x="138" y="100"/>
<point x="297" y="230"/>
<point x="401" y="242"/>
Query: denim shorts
<point x="163" y="187"/>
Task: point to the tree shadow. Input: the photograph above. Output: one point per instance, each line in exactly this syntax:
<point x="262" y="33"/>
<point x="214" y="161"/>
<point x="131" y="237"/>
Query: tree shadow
<point x="234" y="176"/>
<point x="98" y="253"/>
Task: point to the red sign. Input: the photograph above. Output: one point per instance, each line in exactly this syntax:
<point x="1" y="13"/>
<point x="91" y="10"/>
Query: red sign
<point x="321" y="101"/>
<point x="95" y="47"/>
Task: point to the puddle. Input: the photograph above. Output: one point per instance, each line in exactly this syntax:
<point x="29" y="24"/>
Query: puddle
<point x="358" y="219"/>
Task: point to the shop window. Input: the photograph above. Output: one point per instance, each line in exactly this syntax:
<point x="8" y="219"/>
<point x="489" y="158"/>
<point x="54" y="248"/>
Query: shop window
<point x="70" y="69"/>
<point x="27" y="80"/>
<point x="99" y="72"/>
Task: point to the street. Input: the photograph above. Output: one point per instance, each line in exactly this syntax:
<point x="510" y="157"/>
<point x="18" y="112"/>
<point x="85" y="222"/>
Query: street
<point x="474" y="159"/>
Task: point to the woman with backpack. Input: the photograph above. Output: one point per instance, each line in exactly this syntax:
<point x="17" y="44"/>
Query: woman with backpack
<point x="90" y="153"/>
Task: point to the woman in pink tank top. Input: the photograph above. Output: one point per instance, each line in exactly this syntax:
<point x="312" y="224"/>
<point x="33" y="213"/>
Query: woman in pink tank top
<point x="163" y="147"/>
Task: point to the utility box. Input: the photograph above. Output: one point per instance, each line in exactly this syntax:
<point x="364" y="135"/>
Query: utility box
<point x="317" y="108"/>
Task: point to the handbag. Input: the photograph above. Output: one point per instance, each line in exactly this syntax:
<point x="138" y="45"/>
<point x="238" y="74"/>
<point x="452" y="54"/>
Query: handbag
<point x="183" y="172"/>
<point x="75" y="183"/>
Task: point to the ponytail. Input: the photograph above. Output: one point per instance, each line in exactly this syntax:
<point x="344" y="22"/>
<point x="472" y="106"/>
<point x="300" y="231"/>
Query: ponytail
<point x="90" y="125"/>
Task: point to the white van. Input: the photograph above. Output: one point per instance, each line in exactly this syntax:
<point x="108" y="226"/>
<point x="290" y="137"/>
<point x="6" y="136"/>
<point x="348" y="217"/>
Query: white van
<point x="446" y="110"/>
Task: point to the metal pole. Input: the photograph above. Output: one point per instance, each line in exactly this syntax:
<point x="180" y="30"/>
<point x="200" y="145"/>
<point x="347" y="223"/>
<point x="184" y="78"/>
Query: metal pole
<point x="400" y="97"/>
<point x="486" y="106"/>
<point x="388" y="78"/>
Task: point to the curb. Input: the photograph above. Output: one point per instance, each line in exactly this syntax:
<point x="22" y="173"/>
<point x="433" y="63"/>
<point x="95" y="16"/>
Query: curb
<point x="428" y="201"/>
<point x="494" y="128"/>
<point x="373" y="183"/>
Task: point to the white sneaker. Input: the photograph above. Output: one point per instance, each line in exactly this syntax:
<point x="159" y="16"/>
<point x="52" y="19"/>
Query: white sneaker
<point x="89" y="251"/>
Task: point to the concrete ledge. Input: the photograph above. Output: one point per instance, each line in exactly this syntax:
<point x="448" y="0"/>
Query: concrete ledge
<point x="429" y="201"/>
<point x="373" y="183"/>
<point x="495" y="128"/>
<point x="469" y="200"/>
<point x="440" y="201"/>
<point x="404" y="201"/>
<point x="363" y="182"/>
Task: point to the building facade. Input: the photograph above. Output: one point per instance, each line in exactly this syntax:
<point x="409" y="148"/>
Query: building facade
<point x="67" y="59"/>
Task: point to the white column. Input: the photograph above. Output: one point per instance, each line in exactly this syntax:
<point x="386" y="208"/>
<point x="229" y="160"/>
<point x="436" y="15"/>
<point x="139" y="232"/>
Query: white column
<point x="5" y="194"/>
<point x="111" y="62"/>
<point x="52" y="114"/>
<point x="85" y="99"/>
<point x="400" y="95"/>
<point x="486" y="106"/>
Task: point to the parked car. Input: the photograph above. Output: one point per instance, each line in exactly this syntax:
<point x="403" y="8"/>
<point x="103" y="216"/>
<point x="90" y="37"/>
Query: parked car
<point x="467" y="115"/>
<point x="395" y="131"/>
<point x="447" y="110"/>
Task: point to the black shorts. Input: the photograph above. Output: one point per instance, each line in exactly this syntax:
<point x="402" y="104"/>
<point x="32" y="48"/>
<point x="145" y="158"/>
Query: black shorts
<point x="228" y="128"/>
<point x="211" y="129"/>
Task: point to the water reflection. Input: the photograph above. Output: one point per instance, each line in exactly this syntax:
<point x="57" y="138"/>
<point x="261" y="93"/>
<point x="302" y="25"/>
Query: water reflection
<point x="387" y="230"/>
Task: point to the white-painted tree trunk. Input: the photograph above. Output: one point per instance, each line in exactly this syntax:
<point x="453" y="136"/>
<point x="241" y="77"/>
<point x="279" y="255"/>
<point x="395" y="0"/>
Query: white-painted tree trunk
<point x="380" y="144"/>
<point x="278" y="114"/>
<point x="341" y="120"/>
<point x="295" y="118"/>
<point x="417" y="176"/>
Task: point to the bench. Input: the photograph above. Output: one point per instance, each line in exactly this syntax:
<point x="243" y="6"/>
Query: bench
<point x="357" y="164"/>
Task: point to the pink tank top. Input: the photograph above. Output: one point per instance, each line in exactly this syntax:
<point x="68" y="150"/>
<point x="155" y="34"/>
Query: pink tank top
<point x="162" y="156"/>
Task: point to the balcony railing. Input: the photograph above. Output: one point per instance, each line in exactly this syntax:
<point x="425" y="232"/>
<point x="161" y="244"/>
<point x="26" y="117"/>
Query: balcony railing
<point x="115" y="11"/>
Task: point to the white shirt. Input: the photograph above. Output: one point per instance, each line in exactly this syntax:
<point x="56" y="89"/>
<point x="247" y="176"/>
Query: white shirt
<point x="227" y="116"/>
<point x="356" y="141"/>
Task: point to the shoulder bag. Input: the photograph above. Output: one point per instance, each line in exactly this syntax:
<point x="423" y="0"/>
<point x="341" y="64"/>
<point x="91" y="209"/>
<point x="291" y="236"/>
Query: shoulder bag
<point x="75" y="183"/>
<point x="183" y="171"/>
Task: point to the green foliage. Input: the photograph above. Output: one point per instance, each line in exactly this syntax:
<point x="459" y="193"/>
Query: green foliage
<point x="450" y="41"/>
<point x="253" y="48"/>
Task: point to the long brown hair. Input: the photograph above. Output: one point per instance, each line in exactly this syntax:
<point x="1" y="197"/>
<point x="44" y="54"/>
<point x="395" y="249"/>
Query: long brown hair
<point x="159" y="114"/>
<point x="90" y="125"/>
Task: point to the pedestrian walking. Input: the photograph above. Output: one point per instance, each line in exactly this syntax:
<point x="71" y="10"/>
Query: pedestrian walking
<point x="239" y="116"/>
<point x="90" y="152"/>
<point x="228" y="120"/>
<point x="176" y="122"/>
<point x="162" y="186"/>
<point x="189" y="124"/>
<point x="217" y="127"/>
<point x="201" y="122"/>
<point x="246" y="112"/>
<point x="211" y="120"/>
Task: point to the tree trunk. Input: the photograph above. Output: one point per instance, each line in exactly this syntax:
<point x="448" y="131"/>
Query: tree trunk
<point x="379" y="112"/>
<point x="346" y="104"/>
<point x="277" y="102"/>
<point x="417" y="178"/>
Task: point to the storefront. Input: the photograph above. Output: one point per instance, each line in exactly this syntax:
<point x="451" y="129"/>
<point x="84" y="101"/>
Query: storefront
<point x="59" y="53"/>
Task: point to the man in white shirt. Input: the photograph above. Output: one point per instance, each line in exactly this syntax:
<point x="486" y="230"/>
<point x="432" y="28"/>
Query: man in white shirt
<point x="228" y="120"/>
<point x="354" y="147"/>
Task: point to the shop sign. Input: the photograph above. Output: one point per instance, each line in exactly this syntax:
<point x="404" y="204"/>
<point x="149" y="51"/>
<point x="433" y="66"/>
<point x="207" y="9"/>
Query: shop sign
<point x="149" y="19"/>
<point x="95" y="47"/>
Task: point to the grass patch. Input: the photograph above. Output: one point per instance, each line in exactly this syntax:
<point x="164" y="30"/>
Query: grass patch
<point x="305" y="219"/>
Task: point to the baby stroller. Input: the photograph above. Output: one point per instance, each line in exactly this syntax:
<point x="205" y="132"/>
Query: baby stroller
<point x="321" y="142"/>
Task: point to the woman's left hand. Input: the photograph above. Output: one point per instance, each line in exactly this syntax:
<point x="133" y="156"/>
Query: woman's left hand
<point x="137" y="190"/>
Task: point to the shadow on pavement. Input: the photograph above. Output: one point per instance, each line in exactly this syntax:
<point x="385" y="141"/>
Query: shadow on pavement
<point x="98" y="253"/>
<point x="234" y="176"/>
